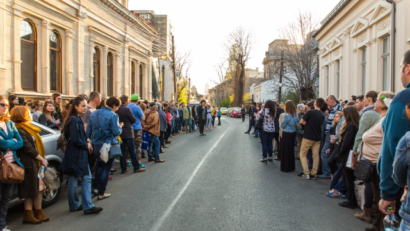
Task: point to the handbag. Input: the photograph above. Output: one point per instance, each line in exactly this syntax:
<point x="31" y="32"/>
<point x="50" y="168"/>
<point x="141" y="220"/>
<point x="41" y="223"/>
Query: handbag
<point x="364" y="168"/>
<point x="10" y="173"/>
<point x="115" y="151"/>
<point x="51" y="180"/>
<point x="259" y="124"/>
<point x="349" y="163"/>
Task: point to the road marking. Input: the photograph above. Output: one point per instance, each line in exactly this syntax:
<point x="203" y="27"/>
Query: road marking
<point x="158" y="224"/>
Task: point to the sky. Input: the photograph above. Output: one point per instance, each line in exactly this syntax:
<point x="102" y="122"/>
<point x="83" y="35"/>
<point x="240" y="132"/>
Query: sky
<point x="202" y="27"/>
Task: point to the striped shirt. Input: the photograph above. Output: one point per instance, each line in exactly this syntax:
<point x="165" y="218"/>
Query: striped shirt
<point x="335" y="108"/>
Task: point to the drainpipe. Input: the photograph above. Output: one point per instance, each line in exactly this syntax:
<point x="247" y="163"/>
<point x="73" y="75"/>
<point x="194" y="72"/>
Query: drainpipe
<point x="392" y="43"/>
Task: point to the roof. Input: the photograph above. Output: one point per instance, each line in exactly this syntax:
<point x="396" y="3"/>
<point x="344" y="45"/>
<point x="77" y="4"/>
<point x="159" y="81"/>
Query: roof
<point x="143" y="21"/>
<point x="339" y="7"/>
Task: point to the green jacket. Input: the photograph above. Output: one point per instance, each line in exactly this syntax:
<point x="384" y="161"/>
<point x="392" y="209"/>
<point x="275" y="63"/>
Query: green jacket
<point x="367" y="120"/>
<point x="187" y="113"/>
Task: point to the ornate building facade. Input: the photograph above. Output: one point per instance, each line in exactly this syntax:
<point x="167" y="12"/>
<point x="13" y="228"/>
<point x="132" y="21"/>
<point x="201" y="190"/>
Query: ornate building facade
<point x="355" y="47"/>
<point x="74" y="47"/>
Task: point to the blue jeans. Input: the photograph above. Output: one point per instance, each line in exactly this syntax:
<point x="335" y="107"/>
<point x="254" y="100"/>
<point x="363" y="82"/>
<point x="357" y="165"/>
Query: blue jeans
<point x="208" y="123"/>
<point x="133" y="154"/>
<point x="251" y="124"/>
<point x="219" y="120"/>
<point x="72" y="191"/>
<point x="172" y="126"/>
<point x="193" y="125"/>
<point x="180" y="124"/>
<point x="188" y="125"/>
<point x="336" y="178"/>
<point x="103" y="171"/>
<point x="256" y="133"/>
<point x="6" y="190"/>
<point x="404" y="225"/>
<point x="267" y="143"/>
<point x="213" y="121"/>
<point x="154" y="147"/>
<point x="325" y="156"/>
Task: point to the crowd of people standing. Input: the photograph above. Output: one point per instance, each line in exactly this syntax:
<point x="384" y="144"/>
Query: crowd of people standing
<point x="332" y="135"/>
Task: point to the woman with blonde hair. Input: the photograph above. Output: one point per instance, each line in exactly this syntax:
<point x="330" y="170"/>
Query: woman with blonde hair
<point x="10" y="141"/>
<point x="47" y="118"/>
<point x="287" y="146"/>
<point x="32" y="156"/>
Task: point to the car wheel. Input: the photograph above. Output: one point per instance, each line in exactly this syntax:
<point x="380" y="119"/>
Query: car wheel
<point x="50" y="197"/>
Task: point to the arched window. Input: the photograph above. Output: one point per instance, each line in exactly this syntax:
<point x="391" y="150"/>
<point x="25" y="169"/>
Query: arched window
<point x="96" y="66"/>
<point x="28" y="38"/>
<point x="110" y="79"/>
<point x="55" y="61"/>
<point x="140" y="80"/>
<point x="133" y="77"/>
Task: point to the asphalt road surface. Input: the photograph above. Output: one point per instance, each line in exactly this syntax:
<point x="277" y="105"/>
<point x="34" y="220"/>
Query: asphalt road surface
<point x="207" y="183"/>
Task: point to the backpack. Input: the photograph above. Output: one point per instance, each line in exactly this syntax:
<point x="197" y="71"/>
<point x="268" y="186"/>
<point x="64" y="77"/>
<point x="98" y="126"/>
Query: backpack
<point x="62" y="142"/>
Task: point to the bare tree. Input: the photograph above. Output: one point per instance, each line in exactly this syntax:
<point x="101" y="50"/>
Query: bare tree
<point x="300" y="55"/>
<point x="239" y="46"/>
<point x="222" y="83"/>
<point x="182" y="66"/>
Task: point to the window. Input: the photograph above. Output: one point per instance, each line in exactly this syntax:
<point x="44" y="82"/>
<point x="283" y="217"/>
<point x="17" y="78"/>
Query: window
<point x="28" y="37"/>
<point x="140" y="80"/>
<point x="364" y="51"/>
<point x="133" y="77"/>
<point x="338" y="78"/>
<point x="110" y="78"/>
<point x="386" y="63"/>
<point x="96" y="67"/>
<point x="55" y="61"/>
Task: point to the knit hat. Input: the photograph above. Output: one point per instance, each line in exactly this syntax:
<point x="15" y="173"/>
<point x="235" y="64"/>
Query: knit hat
<point x="134" y="97"/>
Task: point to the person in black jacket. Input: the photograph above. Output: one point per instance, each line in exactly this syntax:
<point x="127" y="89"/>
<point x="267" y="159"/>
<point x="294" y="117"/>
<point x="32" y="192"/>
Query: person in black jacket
<point x="125" y="116"/>
<point x="346" y="139"/>
<point x="47" y="118"/>
<point x="243" y="111"/>
<point x="75" y="162"/>
<point x="202" y="111"/>
<point x="279" y="111"/>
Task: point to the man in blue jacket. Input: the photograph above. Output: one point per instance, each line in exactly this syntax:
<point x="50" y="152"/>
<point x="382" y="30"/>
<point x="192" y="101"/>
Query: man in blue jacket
<point x="395" y="126"/>
<point x="252" y="117"/>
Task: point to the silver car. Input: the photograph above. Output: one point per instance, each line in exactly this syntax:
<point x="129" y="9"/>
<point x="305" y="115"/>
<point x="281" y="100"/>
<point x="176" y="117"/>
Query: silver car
<point x="54" y="158"/>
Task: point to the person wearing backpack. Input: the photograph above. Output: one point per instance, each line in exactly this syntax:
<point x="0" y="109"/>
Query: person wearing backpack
<point x="75" y="162"/>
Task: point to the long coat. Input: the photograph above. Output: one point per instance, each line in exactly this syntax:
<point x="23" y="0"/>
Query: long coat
<point x="125" y="115"/>
<point x="201" y="118"/>
<point x="75" y="162"/>
<point x="27" y="155"/>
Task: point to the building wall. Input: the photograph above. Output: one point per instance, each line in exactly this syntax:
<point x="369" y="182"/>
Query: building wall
<point x="168" y="86"/>
<point x="81" y="27"/>
<point x="361" y="25"/>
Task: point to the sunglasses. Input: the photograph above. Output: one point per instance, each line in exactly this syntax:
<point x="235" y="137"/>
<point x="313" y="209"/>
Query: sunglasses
<point x="4" y="105"/>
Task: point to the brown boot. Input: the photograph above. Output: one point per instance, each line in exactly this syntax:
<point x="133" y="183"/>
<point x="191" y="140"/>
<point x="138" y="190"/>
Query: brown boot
<point x="40" y="215"/>
<point x="375" y="211"/>
<point x="29" y="218"/>
<point x="365" y="215"/>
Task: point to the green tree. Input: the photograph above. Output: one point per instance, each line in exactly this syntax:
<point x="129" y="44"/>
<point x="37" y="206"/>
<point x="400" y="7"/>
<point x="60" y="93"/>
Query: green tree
<point x="290" y="94"/>
<point x="225" y="103"/>
<point x="246" y="97"/>
<point x="183" y="91"/>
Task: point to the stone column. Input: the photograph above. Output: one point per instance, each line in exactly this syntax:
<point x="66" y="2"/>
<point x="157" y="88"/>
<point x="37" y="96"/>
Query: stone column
<point x="368" y="67"/>
<point x="355" y="81"/>
<point x="127" y="72"/>
<point x="17" y="20"/>
<point x="149" y="78"/>
<point x="145" y="82"/>
<point x="45" y="53"/>
<point x="91" y="63"/>
<point x="118" y="76"/>
<point x="80" y="56"/>
<point x="136" y="88"/>
<point x="104" y="71"/>
<point x="69" y="62"/>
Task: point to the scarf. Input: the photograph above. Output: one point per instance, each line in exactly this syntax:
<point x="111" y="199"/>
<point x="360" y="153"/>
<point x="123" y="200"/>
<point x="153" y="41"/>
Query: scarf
<point x="34" y="132"/>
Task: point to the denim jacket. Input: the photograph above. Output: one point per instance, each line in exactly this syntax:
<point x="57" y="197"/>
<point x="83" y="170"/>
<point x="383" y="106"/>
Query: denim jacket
<point x="7" y="142"/>
<point x="289" y="123"/>
<point x="401" y="173"/>
<point x="110" y="127"/>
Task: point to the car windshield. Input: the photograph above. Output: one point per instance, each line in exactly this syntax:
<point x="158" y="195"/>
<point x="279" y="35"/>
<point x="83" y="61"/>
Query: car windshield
<point x="237" y="110"/>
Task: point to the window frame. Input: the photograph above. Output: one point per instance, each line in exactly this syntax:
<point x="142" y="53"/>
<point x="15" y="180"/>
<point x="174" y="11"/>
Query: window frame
<point x="60" y="71"/>
<point x="35" y="42"/>
<point x="110" y="57"/>
<point x="386" y="57"/>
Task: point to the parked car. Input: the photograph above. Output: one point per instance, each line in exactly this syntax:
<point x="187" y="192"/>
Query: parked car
<point x="224" y="110"/>
<point x="54" y="158"/>
<point x="228" y="112"/>
<point x="236" y="113"/>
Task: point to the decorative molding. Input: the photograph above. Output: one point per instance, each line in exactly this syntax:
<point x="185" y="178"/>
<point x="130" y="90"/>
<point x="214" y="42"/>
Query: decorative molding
<point x="127" y="39"/>
<point x="82" y="13"/>
<point x="45" y="23"/>
<point x="374" y="41"/>
<point x="92" y="41"/>
<point x="368" y="44"/>
<point x="69" y="33"/>
<point x="117" y="53"/>
<point x="17" y="10"/>
<point x="336" y="52"/>
<point x="105" y="48"/>
<point x="355" y="51"/>
<point x="383" y="25"/>
<point x="360" y="25"/>
<point x="381" y="11"/>
<point x="346" y="32"/>
<point x="362" y="38"/>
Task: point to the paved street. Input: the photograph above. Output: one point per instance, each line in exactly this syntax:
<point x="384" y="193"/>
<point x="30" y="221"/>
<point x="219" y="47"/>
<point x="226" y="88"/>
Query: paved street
<point x="207" y="183"/>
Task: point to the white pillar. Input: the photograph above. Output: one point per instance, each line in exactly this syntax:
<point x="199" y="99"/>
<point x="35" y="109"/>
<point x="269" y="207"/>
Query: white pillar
<point x="145" y="82"/>
<point x="117" y="72"/>
<point x="91" y="63"/>
<point x="136" y="88"/>
<point x="104" y="72"/>
<point x="80" y="55"/>
<point x="69" y="62"/>
<point x="127" y="72"/>
<point x="17" y="20"/>
<point x="149" y="78"/>
<point x="45" y="61"/>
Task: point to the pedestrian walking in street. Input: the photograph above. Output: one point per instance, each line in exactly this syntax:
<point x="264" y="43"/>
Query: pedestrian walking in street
<point x="219" y="114"/>
<point x="290" y="121"/>
<point x="47" y="118"/>
<point x="104" y="127"/>
<point x="75" y="162"/>
<point x="202" y="117"/>
<point x="208" y="117"/>
<point x="243" y="111"/>
<point x="187" y="117"/>
<point x="267" y="115"/>
<point x="126" y="117"/>
<point x="152" y="126"/>
<point x="10" y="141"/>
<point x="194" y="117"/>
<point x="252" y="116"/>
<point x="312" y="122"/>
<point x="32" y="156"/>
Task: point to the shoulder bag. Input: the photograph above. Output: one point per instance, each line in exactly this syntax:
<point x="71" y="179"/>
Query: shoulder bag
<point x="10" y="173"/>
<point x="114" y="151"/>
<point x="259" y="124"/>
<point x="364" y="168"/>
